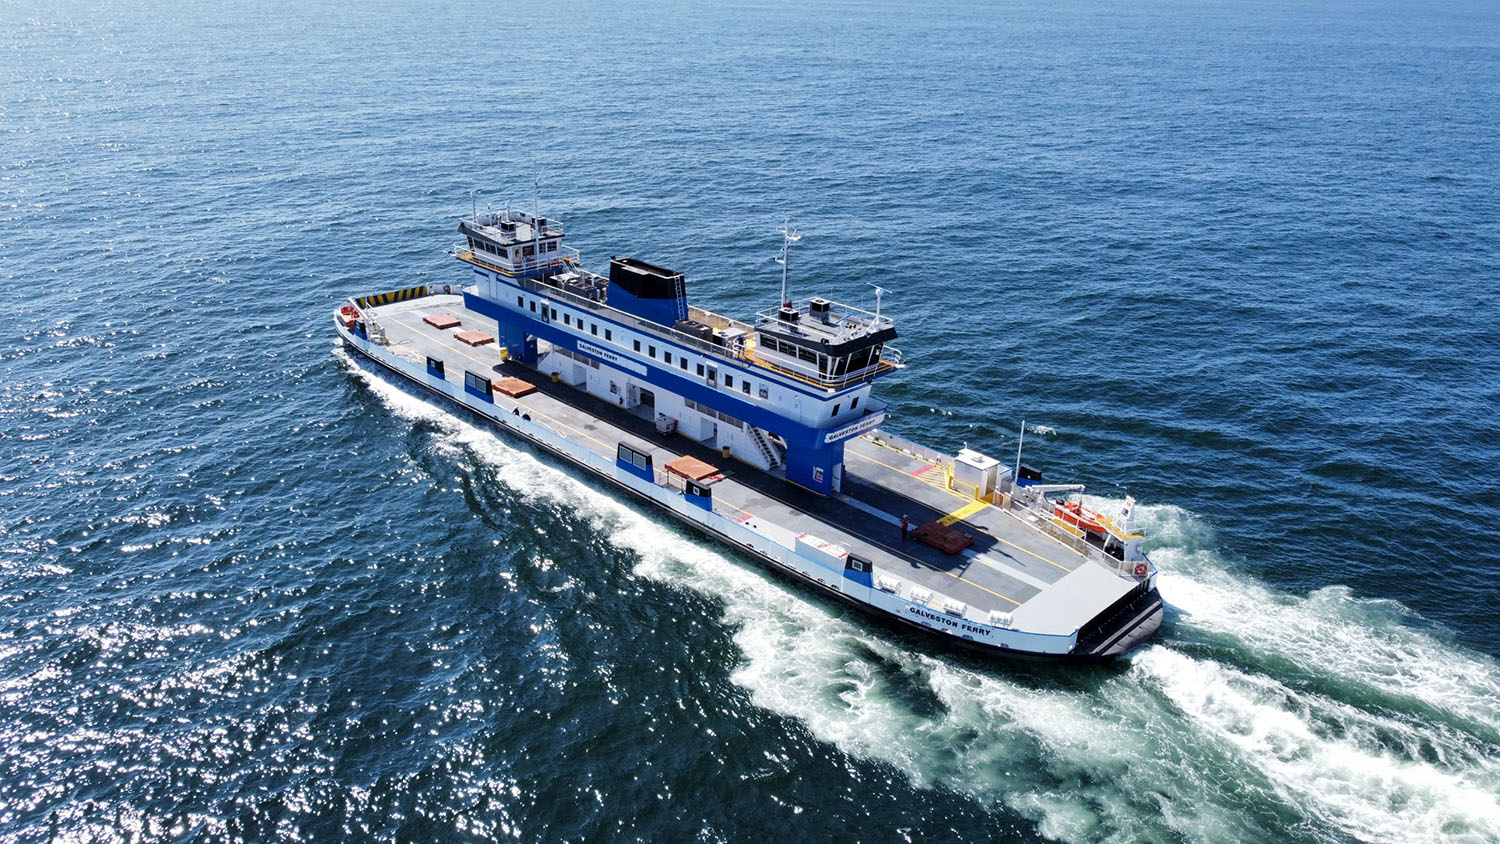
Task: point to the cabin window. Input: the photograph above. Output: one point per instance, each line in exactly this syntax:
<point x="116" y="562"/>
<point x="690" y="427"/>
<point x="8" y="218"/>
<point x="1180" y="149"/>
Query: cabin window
<point x="807" y="355"/>
<point x="567" y="319"/>
<point x="855" y="403"/>
<point x="609" y="335"/>
<point x="682" y="362"/>
<point x="552" y="246"/>
<point x="765" y="393"/>
<point x="520" y="301"/>
<point x="745" y="387"/>
<point x="533" y="306"/>
<point x="651" y="351"/>
<point x="435" y="366"/>
<point x="528" y="251"/>
<point x="637" y="345"/>
<point x="836" y="409"/>
<point x="729" y="381"/>
<point x="666" y="356"/>
<point x="478" y="383"/>
<point x="626" y="454"/>
<point x="700" y="370"/>
<point x="594" y="328"/>
<point x="554" y="313"/>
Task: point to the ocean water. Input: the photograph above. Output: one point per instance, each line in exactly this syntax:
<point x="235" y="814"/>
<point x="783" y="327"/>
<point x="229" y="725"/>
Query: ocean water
<point x="1239" y="258"/>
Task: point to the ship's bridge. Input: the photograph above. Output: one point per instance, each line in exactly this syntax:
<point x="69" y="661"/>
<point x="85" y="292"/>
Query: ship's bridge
<point x="515" y="243"/>
<point x="827" y="343"/>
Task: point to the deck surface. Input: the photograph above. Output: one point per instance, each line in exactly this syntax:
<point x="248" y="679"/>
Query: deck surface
<point x="1012" y="567"/>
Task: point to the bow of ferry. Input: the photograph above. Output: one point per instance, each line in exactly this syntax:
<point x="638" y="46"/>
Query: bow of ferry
<point x="764" y="434"/>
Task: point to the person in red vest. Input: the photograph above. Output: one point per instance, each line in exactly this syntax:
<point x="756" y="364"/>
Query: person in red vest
<point x="905" y="527"/>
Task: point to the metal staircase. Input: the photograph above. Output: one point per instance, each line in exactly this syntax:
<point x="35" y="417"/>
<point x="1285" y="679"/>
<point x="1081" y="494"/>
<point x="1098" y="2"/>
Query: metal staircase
<point x="768" y="451"/>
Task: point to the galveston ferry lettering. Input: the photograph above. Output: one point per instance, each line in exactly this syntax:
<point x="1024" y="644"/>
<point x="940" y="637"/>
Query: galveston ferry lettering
<point x="869" y="423"/>
<point x="605" y="354"/>
<point x="948" y="620"/>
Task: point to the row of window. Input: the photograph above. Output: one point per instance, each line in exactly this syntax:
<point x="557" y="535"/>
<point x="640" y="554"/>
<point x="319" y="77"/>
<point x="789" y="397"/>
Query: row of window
<point x="509" y="254"/>
<point x="708" y="411"/>
<point x="567" y="318"/>
<point x="829" y="366"/>
<point x="682" y="361"/>
<point x="791" y="350"/>
<point x="639" y="459"/>
<point x="588" y="361"/>
<point x="477" y="382"/>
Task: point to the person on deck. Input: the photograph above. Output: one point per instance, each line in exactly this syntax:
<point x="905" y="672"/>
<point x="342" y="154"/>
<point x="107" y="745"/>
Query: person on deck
<point x="905" y="527"/>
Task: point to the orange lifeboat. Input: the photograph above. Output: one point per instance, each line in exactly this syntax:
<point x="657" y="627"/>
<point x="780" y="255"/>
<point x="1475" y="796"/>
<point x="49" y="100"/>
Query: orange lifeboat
<point x="1074" y="514"/>
<point x="347" y="315"/>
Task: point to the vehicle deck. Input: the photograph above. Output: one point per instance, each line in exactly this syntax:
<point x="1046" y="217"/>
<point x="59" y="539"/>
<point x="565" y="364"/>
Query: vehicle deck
<point x="1011" y="567"/>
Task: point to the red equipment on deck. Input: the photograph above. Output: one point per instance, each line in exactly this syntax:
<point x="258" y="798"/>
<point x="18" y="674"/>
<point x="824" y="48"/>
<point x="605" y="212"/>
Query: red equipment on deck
<point x="942" y="537"/>
<point x="473" y="337"/>
<point x="442" y="322"/>
<point x="514" y="387"/>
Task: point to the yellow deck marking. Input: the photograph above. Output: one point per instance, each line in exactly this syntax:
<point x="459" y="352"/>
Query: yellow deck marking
<point x="1026" y="551"/>
<point x="962" y="513"/>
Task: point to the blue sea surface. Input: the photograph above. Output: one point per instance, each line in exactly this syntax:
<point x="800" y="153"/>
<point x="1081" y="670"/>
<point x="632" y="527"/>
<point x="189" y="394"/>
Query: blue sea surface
<point x="1238" y="260"/>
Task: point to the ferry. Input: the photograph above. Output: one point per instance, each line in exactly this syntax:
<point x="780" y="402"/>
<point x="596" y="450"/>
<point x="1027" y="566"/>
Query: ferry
<point x="765" y="434"/>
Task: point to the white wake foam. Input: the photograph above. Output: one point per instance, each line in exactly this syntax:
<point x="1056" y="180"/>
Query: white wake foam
<point x="1330" y="632"/>
<point x="1362" y="772"/>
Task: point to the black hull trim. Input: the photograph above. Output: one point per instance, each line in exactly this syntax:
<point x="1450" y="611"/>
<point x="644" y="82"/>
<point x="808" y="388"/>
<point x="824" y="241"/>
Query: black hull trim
<point x="1079" y="654"/>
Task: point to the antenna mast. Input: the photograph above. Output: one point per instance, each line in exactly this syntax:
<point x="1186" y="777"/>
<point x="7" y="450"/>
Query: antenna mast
<point x="536" y="215"/>
<point x="789" y="236"/>
<point x="1021" y="442"/>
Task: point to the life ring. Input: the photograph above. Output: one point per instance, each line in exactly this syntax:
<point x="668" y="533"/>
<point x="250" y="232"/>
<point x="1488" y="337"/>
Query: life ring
<point x="1141" y="570"/>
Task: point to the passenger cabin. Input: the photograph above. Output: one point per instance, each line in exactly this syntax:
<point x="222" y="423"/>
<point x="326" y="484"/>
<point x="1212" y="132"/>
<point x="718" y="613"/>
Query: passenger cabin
<point x="828" y="344"/>
<point x="515" y="242"/>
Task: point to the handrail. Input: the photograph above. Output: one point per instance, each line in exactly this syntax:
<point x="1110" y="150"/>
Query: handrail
<point x="630" y="319"/>
<point x="872" y="371"/>
<point x="463" y="252"/>
<point x="1045" y="522"/>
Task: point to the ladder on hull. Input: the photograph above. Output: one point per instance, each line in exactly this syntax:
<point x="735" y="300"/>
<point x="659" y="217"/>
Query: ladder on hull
<point x="767" y="449"/>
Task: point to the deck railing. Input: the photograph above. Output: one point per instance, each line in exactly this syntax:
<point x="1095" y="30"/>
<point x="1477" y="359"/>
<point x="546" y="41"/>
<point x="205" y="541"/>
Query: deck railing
<point x="1046" y="521"/>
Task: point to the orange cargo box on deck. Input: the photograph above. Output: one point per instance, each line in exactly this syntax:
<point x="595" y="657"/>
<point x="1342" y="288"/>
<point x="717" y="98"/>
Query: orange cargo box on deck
<point x="442" y="322"/>
<point x="691" y="467"/>
<point x="514" y="387"/>
<point x="942" y="537"/>
<point x="473" y="338"/>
